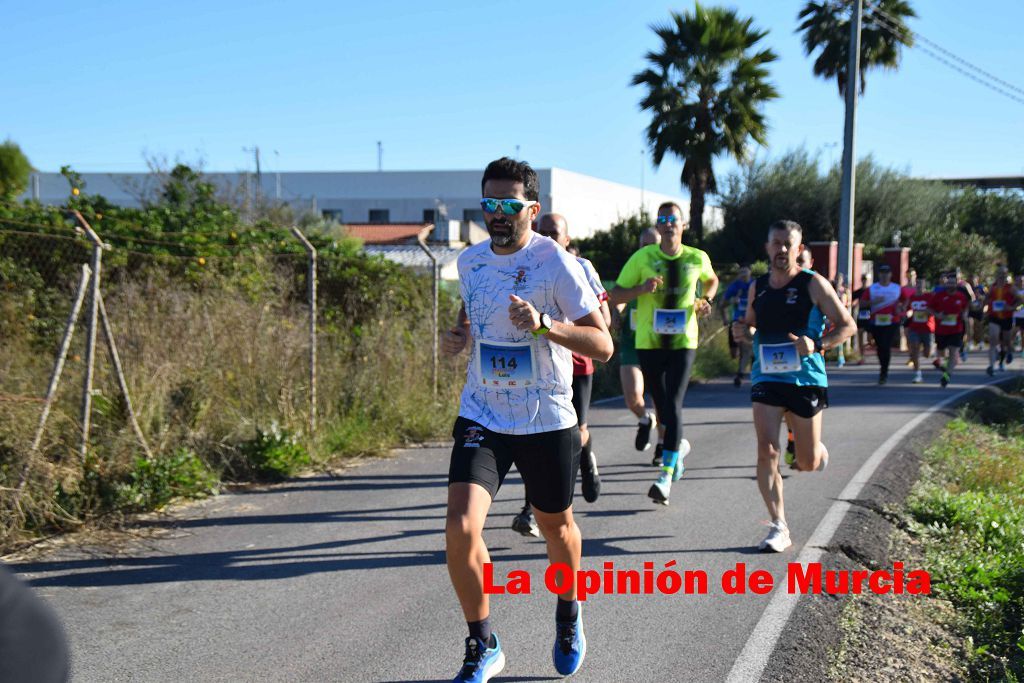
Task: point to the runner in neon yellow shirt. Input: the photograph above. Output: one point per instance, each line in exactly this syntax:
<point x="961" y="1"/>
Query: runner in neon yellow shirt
<point x="663" y="279"/>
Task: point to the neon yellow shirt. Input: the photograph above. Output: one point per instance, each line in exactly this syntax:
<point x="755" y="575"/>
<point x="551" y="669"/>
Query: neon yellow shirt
<point x="672" y="301"/>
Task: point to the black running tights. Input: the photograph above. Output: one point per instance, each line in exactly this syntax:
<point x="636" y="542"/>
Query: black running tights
<point x="884" y="334"/>
<point x="666" y="373"/>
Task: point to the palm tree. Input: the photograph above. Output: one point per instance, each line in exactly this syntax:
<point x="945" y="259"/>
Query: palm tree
<point x="706" y="88"/>
<point x="826" y="27"/>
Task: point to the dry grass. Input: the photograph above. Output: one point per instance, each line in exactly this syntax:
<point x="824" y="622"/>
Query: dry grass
<point x="208" y="369"/>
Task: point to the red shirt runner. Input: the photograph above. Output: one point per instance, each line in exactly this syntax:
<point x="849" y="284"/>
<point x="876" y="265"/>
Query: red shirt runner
<point x="907" y="291"/>
<point x="1001" y="301"/>
<point x="917" y="309"/>
<point x="949" y="306"/>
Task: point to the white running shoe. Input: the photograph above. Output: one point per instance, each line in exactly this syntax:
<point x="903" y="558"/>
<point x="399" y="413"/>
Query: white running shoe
<point x="777" y="539"/>
<point x="918" y="378"/>
<point x="824" y="460"/>
<point x="660" y="489"/>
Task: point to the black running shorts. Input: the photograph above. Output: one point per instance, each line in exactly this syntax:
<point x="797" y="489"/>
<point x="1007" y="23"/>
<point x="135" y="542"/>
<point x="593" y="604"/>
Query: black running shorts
<point x="547" y="462"/>
<point x="582" y="387"/>
<point x="802" y="401"/>
<point x="946" y="341"/>
<point x="1005" y="324"/>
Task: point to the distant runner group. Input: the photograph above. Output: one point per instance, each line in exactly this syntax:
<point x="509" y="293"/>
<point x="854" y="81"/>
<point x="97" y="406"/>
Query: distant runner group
<point x="535" y="317"/>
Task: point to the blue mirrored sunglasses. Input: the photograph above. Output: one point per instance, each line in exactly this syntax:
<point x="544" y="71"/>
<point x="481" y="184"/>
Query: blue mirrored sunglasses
<point x="509" y="207"/>
<point x="670" y="220"/>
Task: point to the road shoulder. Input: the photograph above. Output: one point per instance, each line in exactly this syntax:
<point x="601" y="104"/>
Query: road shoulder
<point x="868" y="636"/>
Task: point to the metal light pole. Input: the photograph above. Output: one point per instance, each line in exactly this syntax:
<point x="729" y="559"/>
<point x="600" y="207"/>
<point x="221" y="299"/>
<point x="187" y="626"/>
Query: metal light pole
<point x="643" y="167"/>
<point x="846" y="213"/>
<point x="277" y="163"/>
<point x="311" y="289"/>
<point x="435" y="276"/>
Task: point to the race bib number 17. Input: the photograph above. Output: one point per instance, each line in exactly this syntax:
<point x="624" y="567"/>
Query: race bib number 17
<point x="779" y="358"/>
<point x="503" y="364"/>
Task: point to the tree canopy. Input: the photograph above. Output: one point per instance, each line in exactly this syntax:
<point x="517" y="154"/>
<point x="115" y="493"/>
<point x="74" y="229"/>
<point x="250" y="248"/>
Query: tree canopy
<point x="706" y="87"/>
<point x="15" y="170"/>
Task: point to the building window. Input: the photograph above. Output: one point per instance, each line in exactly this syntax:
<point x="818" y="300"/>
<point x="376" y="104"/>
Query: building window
<point x="380" y="216"/>
<point x="332" y="214"/>
<point x="475" y="215"/>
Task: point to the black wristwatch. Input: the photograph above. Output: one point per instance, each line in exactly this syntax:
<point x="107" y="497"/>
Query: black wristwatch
<point x="545" y="325"/>
<point x="819" y="347"/>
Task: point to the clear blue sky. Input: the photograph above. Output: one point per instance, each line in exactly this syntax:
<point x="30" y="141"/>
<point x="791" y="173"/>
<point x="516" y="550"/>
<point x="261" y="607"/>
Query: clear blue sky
<point x="452" y="85"/>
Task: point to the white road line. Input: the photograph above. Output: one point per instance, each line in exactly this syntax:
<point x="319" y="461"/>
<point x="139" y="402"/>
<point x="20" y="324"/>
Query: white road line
<point x="751" y="663"/>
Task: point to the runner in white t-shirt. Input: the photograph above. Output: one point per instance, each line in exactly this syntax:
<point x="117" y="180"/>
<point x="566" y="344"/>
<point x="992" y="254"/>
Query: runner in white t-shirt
<point x="528" y="306"/>
<point x="885" y="299"/>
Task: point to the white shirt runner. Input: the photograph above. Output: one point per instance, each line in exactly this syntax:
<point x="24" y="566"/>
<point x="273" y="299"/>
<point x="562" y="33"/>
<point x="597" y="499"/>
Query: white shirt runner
<point x="506" y="364"/>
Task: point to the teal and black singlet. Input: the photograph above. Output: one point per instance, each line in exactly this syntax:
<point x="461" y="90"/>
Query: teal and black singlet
<point x="780" y="312"/>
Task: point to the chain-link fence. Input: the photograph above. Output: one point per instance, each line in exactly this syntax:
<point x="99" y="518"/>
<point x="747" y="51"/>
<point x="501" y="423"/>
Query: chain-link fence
<point x="129" y="362"/>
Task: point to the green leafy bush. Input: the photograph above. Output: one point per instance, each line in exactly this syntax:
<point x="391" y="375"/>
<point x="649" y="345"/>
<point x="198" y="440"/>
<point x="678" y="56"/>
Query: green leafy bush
<point x="154" y="483"/>
<point x="275" y="454"/>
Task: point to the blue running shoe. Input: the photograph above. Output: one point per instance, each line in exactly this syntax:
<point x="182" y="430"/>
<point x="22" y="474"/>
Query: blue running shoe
<point x="570" y="645"/>
<point x="482" y="663"/>
<point x="684" y="448"/>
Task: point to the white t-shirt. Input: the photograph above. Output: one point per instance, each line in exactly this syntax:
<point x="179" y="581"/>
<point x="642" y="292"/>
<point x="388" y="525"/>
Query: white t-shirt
<point x="593" y="278"/>
<point x="889" y="294"/>
<point x="534" y="394"/>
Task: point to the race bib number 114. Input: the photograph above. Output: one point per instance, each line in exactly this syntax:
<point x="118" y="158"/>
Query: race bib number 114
<point x="503" y="364"/>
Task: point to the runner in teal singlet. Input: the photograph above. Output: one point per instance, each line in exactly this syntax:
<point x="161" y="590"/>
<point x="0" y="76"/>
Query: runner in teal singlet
<point x="788" y="306"/>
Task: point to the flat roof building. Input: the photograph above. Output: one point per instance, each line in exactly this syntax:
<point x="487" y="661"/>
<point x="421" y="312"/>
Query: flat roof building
<point x="440" y="197"/>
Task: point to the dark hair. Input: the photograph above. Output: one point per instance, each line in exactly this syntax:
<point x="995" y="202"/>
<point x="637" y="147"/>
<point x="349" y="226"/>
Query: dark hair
<point x="510" y="169"/>
<point x="670" y="205"/>
<point x="788" y="226"/>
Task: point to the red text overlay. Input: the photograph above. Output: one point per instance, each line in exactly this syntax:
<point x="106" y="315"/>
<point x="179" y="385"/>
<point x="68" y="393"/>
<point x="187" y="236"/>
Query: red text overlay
<point x="808" y="579"/>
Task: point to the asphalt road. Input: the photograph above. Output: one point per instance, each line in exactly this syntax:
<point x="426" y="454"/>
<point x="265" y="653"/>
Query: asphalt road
<point x="343" y="578"/>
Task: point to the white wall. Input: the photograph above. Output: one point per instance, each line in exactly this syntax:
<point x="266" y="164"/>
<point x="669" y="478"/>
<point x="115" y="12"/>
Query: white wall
<point x="589" y="204"/>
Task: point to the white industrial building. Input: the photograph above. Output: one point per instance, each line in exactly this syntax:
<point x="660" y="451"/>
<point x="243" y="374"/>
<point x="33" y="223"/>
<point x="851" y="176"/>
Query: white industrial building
<point x="444" y="198"/>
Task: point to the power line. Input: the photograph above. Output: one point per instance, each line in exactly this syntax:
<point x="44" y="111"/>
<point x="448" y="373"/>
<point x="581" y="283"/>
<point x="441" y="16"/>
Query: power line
<point x="897" y="30"/>
<point x="917" y="36"/>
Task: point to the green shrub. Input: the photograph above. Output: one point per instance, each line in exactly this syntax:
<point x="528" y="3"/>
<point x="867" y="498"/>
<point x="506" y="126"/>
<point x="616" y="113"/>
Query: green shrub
<point x="154" y="483"/>
<point x="275" y="454"/>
